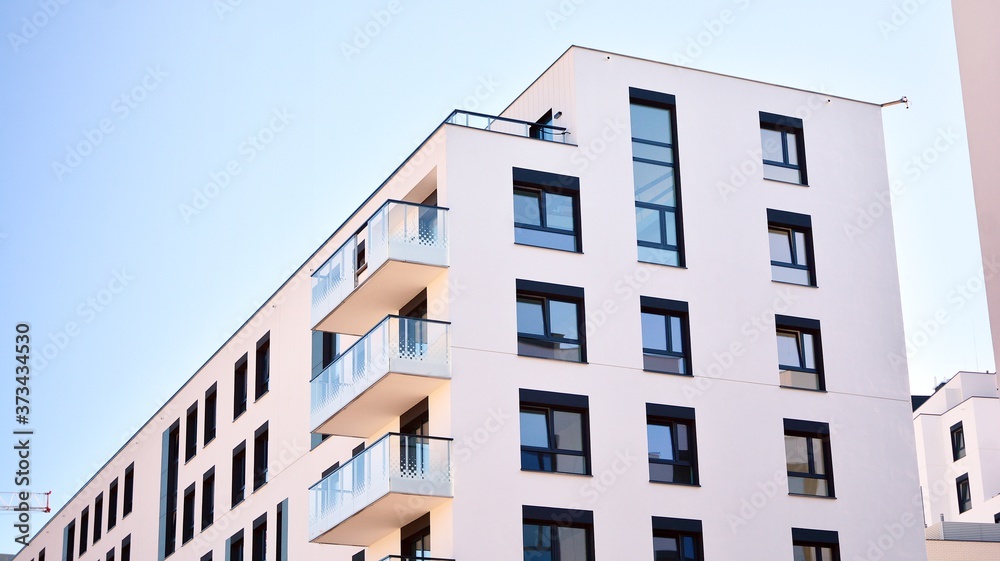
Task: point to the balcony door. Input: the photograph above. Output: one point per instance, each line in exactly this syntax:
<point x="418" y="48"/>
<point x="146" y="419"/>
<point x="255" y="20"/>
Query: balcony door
<point x="413" y="334"/>
<point x="416" y="540"/>
<point x="414" y="448"/>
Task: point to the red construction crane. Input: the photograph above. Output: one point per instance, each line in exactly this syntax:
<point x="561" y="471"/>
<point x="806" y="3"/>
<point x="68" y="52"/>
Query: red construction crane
<point x="13" y="500"/>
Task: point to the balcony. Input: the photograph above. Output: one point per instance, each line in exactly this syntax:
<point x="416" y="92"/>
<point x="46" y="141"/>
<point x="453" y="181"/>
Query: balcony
<point x="398" y="252"/>
<point x="393" y="482"/>
<point x="504" y="125"/>
<point x="398" y="363"/>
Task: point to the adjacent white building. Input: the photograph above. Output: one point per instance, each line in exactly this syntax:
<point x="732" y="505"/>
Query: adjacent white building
<point x="622" y="320"/>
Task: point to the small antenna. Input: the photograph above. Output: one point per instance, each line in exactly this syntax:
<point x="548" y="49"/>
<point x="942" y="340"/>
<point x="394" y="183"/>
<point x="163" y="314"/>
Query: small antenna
<point x="903" y="100"/>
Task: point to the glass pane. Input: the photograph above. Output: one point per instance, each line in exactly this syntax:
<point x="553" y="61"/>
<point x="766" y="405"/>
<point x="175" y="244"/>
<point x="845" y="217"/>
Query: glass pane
<point x="645" y="151"/>
<point x="781" y="174"/>
<point x="688" y="545"/>
<point x="659" y="256"/>
<point x="537" y="543"/>
<point x="534" y="429"/>
<point x="803" y="553"/>
<point x="788" y="274"/>
<point x="660" y="442"/>
<point x="671" y="227"/>
<point x="666" y="549"/>
<point x="572" y="544"/>
<point x="549" y="349"/>
<point x="683" y="446"/>
<point x="819" y="457"/>
<point x="527" y="208"/>
<point x="664" y="363"/>
<point x="562" y="319"/>
<point x="770" y="143"/>
<point x="808" y="350"/>
<point x="536" y="461"/>
<point x="676" y="335"/>
<point x="801" y="257"/>
<point x="529" y="316"/>
<point x="559" y="211"/>
<point x="544" y="238"/>
<point x="567" y="463"/>
<point x="808" y="486"/>
<point x="788" y="349"/>
<point x="568" y="427"/>
<point x="797" y="454"/>
<point x="781" y="245"/>
<point x="651" y="123"/>
<point x="653" y="183"/>
<point x="647" y="225"/>
<point x="791" y="141"/>
<point x="654" y="332"/>
<point x="796" y="379"/>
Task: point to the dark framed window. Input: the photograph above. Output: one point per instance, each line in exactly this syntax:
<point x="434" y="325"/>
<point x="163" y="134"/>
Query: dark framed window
<point x="127" y="548"/>
<point x="113" y="504"/>
<point x="208" y="499"/>
<point x="964" y="493"/>
<point x="206" y="557"/>
<point x="957" y="442"/>
<point x="325" y="349"/>
<point x="239" y="474"/>
<point x="554" y="432"/>
<point x="815" y="545"/>
<point x="656" y="178"/>
<point x="211" y="411"/>
<point x="127" y="492"/>
<point x="550" y="321"/>
<point x="665" y="336"/>
<point x="169" y="494"/>
<point x="258" y="539"/>
<point x="235" y="547"/>
<point x="800" y="353"/>
<point x="790" y="239"/>
<point x="240" y="387"/>
<point x="98" y="516"/>
<point x="551" y="534"/>
<point x="546" y="210"/>
<point x="191" y="433"/>
<point x="677" y="539"/>
<point x="808" y="459"/>
<point x="262" y="372"/>
<point x="84" y="528"/>
<point x="110" y="556"/>
<point x="260" y="441"/>
<point x="996" y="518"/>
<point x="670" y="434"/>
<point x="69" y="541"/>
<point x="281" y="535"/>
<point x="187" y="518"/>
<point x="783" y="148"/>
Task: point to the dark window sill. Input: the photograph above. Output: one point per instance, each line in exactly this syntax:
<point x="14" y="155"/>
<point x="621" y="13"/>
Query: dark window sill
<point x="526" y="470"/>
<point x="261" y="396"/>
<point x="803" y="389"/>
<point x="555" y="359"/>
<point x="795" y="284"/>
<point x="786" y="182"/>
<point x="240" y="415"/>
<point x="668" y="373"/>
<point x="658" y="482"/>
<point x="577" y="251"/>
<point x="663" y="264"/>
<point x="812" y="496"/>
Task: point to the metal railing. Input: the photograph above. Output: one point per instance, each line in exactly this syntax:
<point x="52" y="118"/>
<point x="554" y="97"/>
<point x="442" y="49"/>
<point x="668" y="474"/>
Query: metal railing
<point x="506" y="125"/>
<point x="397" y="344"/>
<point x="395" y="463"/>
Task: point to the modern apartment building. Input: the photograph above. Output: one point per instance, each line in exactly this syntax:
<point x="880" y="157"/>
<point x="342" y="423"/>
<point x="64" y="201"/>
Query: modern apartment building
<point x="622" y="320"/>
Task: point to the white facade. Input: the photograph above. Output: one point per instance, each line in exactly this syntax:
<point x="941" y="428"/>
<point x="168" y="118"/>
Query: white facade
<point x="970" y="401"/>
<point x="474" y="488"/>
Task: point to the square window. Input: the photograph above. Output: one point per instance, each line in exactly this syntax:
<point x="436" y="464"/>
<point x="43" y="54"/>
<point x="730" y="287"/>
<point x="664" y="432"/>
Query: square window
<point x="800" y="356"/>
<point x="546" y="210"/>
<point x="964" y="493"/>
<point x="550" y="321"/>
<point x="557" y="535"/>
<point x="654" y="173"/>
<point x="677" y="539"/>
<point x="665" y="343"/>
<point x="790" y="241"/>
<point x="554" y="432"/>
<point x="815" y="545"/>
<point x="957" y="442"/>
<point x="807" y="458"/>
<point x="783" y="148"/>
<point x="670" y="433"/>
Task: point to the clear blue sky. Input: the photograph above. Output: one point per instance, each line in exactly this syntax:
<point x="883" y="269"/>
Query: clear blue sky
<point x="103" y="242"/>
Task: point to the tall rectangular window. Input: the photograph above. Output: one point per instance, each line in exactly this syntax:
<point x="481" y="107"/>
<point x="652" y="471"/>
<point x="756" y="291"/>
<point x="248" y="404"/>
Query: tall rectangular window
<point x="234" y="545"/>
<point x="127" y="491"/>
<point x="258" y="539"/>
<point x="325" y="350"/>
<point x="113" y="504"/>
<point x="654" y="171"/>
<point x="187" y="524"/>
<point x="127" y="548"/>
<point x="262" y="372"/>
<point x="551" y="534"/>
<point x="665" y="336"/>
<point x="239" y="474"/>
<point x="98" y="516"/>
<point x="169" y="488"/>
<point x="815" y="545"/>
<point x="957" y="442"/>
<point x="677" y="539"/>
<point x="69" y="541"/>
<point x="554" y="432"/>
<point x="84" y="528"/>
<point x="546" y="210"/>
<point x="671" y="437"/>
<point x="110" y="556"/>
<point x="240" y="387"/>
<point x="191" y="433"/>
<point x="211" y="410"/>
<point x="208" y="499"/>
<point x="783" y="148"/>
<point x="790" y="241"/>
<point x="807" y="458"/>
<point x="260" y="457"/>
<point x="281" y="536"/>
<point x="550" y="321"/>
<point x="964" y="493"/>
<point x="800" y="353"/>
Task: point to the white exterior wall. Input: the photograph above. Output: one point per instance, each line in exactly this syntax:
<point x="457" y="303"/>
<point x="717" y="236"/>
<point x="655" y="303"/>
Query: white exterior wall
<point x="742" y="499"/>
